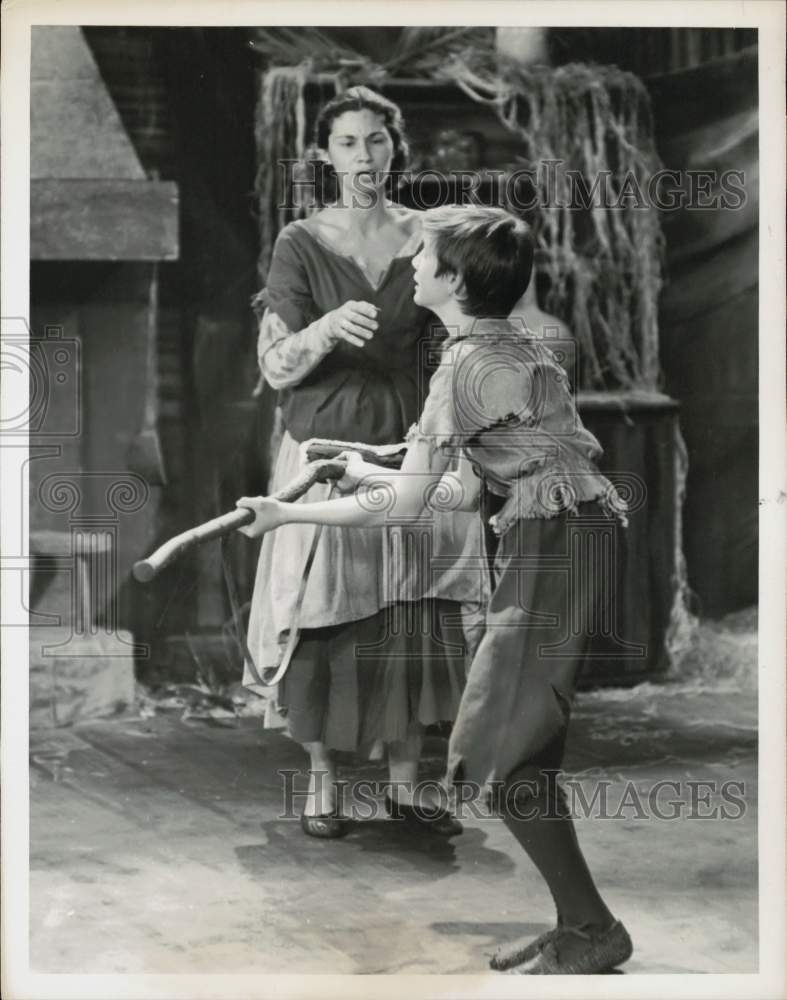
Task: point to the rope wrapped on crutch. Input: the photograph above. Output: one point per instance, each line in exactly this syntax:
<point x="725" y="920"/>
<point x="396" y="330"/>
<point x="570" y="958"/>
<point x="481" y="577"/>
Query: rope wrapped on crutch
<point x="324" y="466"/>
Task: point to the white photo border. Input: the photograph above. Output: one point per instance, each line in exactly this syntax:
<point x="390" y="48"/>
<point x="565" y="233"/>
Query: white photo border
<point x="769" y="17"/>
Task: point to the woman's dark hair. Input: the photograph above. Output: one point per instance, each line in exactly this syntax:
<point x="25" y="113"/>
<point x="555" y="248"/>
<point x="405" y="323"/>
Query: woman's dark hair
<point x="491" y="249"/>
<point x="355" y="99"/>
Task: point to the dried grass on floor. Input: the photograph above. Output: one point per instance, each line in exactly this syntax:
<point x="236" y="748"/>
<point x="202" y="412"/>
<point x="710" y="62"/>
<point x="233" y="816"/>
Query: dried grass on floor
<point x="722" y="650"/>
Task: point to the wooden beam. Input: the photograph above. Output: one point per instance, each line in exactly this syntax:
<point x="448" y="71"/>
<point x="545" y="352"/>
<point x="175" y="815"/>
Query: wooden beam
<point x="632" y="401"/>
<point x="103" y="220"/>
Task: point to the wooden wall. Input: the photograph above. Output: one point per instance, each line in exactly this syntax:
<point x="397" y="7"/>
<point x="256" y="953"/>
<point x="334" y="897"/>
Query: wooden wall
<point x="98" y="222"/>
<point x="707" y="119"/>
<point x="648" y="51"/>
<point x="186" y="97"/>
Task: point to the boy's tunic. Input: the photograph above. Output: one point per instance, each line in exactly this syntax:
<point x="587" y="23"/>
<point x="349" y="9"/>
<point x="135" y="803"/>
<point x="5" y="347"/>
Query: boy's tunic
<point x="501" y="399"/>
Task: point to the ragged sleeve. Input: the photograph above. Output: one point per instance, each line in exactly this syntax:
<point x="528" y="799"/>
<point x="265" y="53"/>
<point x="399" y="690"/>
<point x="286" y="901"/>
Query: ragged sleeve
<point x="293" y="337"/>
<point x="435" y="426"/>
<point x="509" y="383"/>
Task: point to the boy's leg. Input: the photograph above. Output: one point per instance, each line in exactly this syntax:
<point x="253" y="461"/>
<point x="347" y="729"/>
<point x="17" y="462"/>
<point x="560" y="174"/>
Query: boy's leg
<point x="543" y="826"/>
<point x="587" y="938"/>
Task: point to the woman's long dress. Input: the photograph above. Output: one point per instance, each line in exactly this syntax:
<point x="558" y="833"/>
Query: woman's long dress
<point x="381" y="638"/>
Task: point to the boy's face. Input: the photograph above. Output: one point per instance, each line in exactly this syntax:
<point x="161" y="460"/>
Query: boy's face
<point x="431" y="292"/>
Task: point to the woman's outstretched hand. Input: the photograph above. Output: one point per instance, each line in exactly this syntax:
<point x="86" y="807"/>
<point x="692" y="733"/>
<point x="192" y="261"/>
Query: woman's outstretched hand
<point x="354" y="322"/>
<point x="268" y="515"/>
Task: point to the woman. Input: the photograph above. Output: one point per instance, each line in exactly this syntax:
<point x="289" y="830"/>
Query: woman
<point x="501" y="399"/>
<point x="343" y="342"/>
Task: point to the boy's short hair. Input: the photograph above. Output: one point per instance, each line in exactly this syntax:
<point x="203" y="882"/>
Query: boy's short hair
<point x="490" y="248"/>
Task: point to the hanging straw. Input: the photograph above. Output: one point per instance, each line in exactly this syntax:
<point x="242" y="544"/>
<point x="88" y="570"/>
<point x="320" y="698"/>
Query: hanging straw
<point x="602" y="268"/>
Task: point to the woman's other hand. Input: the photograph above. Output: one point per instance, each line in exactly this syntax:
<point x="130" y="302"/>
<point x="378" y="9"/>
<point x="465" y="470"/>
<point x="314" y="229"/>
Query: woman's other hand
<point x="354" y="322"/>
<point x="269" y="514"/>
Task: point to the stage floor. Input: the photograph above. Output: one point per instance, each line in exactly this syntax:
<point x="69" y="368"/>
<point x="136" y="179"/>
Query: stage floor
<point x="157" y="846"/>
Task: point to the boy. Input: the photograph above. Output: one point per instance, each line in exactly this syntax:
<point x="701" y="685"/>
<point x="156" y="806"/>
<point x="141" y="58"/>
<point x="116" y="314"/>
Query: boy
<point x="500" y="402"/>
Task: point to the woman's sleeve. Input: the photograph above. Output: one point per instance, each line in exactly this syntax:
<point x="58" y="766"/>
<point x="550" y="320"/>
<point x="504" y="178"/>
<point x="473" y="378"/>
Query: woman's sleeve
<point x="293" y="336"/>
<point x="285" y="356"/>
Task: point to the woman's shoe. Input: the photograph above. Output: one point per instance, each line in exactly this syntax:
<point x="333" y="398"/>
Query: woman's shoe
<point x="434" y="819"/>
<point x="597" y="953"/>
<point x="327" y="826"/>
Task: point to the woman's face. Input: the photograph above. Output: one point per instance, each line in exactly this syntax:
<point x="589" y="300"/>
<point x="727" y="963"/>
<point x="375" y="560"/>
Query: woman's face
<point x="360" y="149"/>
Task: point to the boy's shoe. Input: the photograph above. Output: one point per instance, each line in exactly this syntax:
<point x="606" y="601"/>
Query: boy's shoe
<point x="517" y="952"/>
<point x="600" y="952"/>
